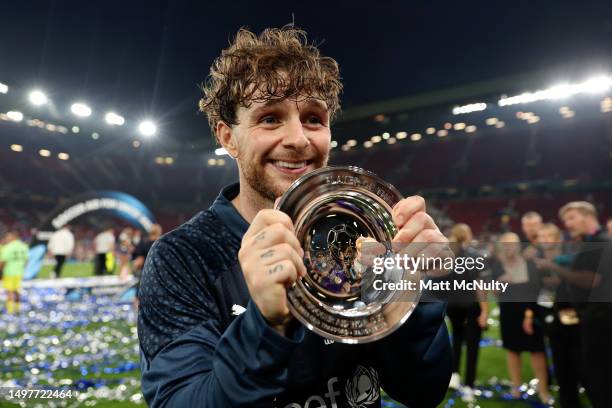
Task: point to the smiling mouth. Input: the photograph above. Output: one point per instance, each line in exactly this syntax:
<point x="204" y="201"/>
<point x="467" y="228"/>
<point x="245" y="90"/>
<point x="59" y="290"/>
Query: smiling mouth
<point x="291" y="167"/>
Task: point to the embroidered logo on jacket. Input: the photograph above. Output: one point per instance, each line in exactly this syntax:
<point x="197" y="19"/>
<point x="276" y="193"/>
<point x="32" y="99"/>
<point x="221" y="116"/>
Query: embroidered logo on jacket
<point x="363" y="389"/>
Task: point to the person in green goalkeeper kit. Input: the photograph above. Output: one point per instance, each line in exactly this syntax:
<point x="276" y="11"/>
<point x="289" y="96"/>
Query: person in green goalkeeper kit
<point x="13" y="258"/>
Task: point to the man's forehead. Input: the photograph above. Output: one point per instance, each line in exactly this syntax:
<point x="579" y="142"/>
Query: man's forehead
<point x="258" y="102"/>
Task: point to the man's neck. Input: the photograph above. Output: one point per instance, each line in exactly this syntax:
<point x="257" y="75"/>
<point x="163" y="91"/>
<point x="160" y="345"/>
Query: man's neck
<point x="249" y="202"/>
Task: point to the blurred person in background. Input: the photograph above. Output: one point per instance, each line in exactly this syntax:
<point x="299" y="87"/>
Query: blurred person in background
<point x="467" y="312"/>
<point x="590" y="285"/>
<point x="561" y="322"/>
<point x="126" y="248"/>
<point x="609" y="226"/>
<point x="521" y="329"/>
<point x="140" y="255"/>
<point x="531" y="222"/>
<point x="60" y="246"/>
<point x="13" y="259"/>
<point x="136" y="238"/>
<point x="104" y="244"/>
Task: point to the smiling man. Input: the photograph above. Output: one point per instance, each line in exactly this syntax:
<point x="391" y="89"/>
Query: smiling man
<point x="214" y="326"/>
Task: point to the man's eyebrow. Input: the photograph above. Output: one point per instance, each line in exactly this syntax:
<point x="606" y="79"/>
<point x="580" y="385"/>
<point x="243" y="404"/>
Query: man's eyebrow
<point x="317" y="103"/>
<point x="309" y="102"/>
<point x="266" y="105"/>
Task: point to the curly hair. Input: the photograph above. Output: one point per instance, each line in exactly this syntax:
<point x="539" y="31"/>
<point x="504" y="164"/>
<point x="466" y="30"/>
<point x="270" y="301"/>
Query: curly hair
<point x="277" y="64"/>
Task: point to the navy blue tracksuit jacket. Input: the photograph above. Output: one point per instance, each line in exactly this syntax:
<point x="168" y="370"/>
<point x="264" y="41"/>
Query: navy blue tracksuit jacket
<point x="201" y="348"/>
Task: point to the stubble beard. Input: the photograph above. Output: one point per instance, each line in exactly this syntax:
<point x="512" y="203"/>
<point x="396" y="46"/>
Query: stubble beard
<point x="266" y="185"/>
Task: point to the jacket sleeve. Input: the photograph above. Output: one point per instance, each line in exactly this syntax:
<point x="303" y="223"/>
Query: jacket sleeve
<point x="186" y="360"/>
<point x="414" y="363"/>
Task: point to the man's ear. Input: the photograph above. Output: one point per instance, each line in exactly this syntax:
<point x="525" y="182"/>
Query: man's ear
<point x="224" y="136"/>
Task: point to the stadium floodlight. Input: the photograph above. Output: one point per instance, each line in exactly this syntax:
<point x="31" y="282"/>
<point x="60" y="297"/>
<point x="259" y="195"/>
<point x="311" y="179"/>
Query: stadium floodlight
<point x="367" y="144"/>
<point x="17" y="148"/>
<point x="595" y="84"/>
<point x="63" y="156"/>
<point x="401" y="135"/>
<point x="80" y="109"/>
<point x="15" y="116"/>
<point x="334" y="143"/>
<point x="221" y="151"/>
<point x="472" y="107"/>
<point x="44" y="152"/>
<point x="415" y="137"/>
<point x="113" y="119"/>
<point x="352" y="143"/>
<point x="147" y="128"/>
<point x="3" y="88"/>
<point x="37" y="97"/>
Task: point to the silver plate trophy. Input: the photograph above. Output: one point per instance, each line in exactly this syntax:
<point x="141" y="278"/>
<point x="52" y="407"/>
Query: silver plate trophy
<point x="342" y="218"/>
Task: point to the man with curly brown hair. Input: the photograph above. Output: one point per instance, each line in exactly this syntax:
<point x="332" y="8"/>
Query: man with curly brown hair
<point x="214" y="326"/>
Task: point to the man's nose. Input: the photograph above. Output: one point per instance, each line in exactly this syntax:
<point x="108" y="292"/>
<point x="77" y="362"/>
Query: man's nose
<point x="295" y="138"/>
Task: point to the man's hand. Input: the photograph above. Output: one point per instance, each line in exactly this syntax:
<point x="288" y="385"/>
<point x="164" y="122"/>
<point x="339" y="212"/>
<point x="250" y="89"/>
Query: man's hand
<point x="271" y="259"/>
<point x="483" y="318"/>
<point x="417" y="228"/>
<point x="528" y="325"/>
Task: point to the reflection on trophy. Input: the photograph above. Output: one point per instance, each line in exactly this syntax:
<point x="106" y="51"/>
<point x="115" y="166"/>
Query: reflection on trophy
<point x="342" y="217"/>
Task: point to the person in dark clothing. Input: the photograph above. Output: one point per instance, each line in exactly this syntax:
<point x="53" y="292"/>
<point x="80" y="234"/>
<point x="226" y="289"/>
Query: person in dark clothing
<point x="531" y="222"/>
<point x="140" y="254"/>
<point x="213" y="325"/>
<point x="520" y="328"/>
<point x="590" y="280"/>
<point x="559" y="318"/>
<point x="467" y="312"/>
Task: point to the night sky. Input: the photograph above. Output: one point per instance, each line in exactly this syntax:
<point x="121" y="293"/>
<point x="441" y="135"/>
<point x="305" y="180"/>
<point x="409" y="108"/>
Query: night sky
<point x="146" y="58"/>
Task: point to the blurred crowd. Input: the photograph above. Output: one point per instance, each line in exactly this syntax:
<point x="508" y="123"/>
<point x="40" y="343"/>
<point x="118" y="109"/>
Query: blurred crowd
<point x="559" y="298"/>
<point x="559" y="295"/>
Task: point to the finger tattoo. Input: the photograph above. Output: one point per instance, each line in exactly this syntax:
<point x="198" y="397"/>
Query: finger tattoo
<point x="267" y="254"/>
<point x="275" y="269"/>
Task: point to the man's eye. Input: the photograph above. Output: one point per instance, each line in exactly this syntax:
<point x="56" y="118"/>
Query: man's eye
<point x="314" y="120"/>
<point x="269" y="120"/>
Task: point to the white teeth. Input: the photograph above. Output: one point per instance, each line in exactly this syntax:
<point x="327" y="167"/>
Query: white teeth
<point x="289" y="165"/>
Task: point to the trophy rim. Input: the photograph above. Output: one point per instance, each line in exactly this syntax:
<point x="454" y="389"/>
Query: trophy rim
<point x="303" y="179"/>
<point x="294" y="311"/>
<point x="357" y="340"/>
